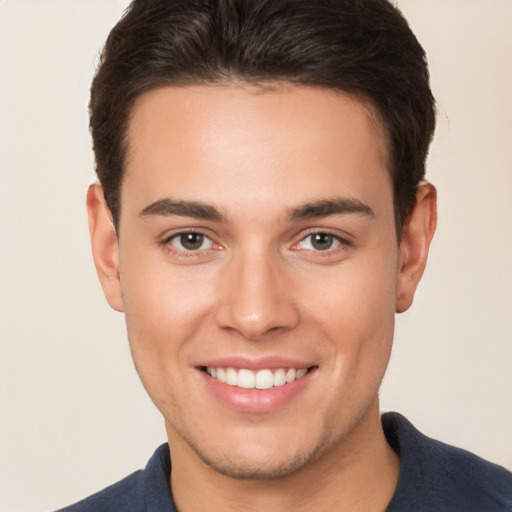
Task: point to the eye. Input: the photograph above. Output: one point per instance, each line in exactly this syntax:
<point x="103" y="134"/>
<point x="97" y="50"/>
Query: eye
<point x="190" y="242"/>
<point x="320" y="242"/>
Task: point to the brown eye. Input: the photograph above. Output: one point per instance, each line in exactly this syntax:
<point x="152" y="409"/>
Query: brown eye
<point x="191" y="241"/>
<point x="322" y="241"/>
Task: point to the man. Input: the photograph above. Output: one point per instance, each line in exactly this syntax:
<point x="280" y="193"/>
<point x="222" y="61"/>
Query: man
<point x="260" y="217"/>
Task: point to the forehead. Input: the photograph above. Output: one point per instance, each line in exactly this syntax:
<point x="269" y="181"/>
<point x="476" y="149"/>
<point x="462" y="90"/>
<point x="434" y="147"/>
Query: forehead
<point x="234" y="143"/>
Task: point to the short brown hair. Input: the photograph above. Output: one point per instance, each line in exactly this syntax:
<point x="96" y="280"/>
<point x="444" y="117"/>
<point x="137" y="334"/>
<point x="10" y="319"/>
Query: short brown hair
<point x="358" y="46"/>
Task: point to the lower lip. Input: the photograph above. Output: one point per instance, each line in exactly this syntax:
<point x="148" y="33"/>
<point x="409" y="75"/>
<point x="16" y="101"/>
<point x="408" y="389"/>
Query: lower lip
<point x="256" y="400"/>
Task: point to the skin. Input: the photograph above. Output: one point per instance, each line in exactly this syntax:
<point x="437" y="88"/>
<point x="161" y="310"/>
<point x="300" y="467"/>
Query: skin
<point x="258" y="288"/>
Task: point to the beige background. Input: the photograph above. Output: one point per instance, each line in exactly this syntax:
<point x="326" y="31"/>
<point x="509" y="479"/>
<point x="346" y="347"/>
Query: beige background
<point x="73" y="415"/>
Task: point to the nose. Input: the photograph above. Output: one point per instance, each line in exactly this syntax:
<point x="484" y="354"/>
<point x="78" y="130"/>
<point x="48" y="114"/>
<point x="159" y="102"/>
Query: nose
<point x="255" y="297"/>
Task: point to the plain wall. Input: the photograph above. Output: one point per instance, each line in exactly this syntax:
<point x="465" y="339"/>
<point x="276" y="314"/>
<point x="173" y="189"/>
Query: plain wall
<point x="73" y="415"/>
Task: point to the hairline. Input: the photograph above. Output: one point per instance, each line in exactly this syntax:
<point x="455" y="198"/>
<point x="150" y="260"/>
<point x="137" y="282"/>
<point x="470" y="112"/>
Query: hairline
<point x="261" y="87"/>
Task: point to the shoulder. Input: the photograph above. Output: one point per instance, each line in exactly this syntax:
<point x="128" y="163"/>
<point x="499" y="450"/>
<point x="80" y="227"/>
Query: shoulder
<point x="437" y="476"/>
<point x="141" y="491"/>
<point x="127" y="494"/>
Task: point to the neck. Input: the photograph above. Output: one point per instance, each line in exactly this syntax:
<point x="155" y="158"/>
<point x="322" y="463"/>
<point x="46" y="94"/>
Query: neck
<point x="360" y="473"/>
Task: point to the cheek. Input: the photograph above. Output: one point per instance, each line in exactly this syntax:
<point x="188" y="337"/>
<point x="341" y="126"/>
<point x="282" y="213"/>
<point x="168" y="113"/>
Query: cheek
<point x="156" y="293"/>
<point x="355" y="309"/>
<point x="163" y="315"/>
<point x="359" y="293"/>
<point x="164" y="307"/>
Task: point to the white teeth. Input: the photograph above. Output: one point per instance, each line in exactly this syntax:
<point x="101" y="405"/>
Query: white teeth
<point x="221" y="374"/>
<point x="301" y="372"/>
<point x="279" y="377"/>
<point x="231" y="377"/>
<point x="290" y="375"/>
<point x="262" y="379"/>
<point x="246" y="379"/>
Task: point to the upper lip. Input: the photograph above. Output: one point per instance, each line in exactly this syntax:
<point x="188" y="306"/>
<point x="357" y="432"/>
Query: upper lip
<point x="267" y="362"/>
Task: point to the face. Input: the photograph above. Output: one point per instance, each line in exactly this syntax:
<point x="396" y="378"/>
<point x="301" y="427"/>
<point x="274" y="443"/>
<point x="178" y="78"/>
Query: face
<point x="258" y="268"/>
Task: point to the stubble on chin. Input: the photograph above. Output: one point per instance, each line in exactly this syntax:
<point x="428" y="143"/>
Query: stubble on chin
<point x="276" y="467"/>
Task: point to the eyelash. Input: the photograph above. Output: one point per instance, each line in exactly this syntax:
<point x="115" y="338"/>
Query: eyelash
<point x="184" y="253"/>
<point x="343" y="243"/>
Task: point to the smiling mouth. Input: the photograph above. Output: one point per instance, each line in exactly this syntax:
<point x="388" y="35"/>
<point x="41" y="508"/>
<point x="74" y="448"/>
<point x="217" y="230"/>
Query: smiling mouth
<point x="261" y="379"/>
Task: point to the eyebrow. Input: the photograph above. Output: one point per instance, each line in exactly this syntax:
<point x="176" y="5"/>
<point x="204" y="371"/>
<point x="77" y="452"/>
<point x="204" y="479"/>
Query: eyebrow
<point x="193" y="209"/>
<point x="324" y="208"/>
<point x="203" y="211"/>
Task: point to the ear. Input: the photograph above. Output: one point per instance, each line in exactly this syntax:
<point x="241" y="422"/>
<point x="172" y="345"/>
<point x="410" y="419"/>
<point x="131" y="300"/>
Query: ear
<point x="417" y="235"/>
<point x="105" y="248"/>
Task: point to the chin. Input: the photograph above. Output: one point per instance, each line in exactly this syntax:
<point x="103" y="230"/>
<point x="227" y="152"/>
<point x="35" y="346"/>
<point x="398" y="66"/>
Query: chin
<point x="279" y="466"/>
<point x="261" y="460"/>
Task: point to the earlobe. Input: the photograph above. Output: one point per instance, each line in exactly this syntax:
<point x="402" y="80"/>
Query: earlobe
<point x="105" y="246"/>
<point x="415" y="244"/>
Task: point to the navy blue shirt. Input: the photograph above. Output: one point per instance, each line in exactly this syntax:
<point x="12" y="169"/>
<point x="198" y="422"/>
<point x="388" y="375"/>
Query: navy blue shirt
<point x="434" y="477"/>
